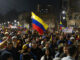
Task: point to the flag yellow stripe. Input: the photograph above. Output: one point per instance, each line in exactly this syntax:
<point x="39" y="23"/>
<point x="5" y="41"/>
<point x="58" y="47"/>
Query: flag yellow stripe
<point x="60" y="22"/>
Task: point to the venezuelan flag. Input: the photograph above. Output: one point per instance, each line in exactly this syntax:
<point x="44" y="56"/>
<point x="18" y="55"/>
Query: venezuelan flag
<point x="38" y="24"/>
<point x="51" y="38"/>
<point x="61" y="26"/>
<point x="19" y="26"/>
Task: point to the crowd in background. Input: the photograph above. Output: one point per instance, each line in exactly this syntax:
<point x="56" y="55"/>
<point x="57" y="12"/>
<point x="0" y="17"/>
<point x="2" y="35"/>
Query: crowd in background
<point x="27" y="44"/>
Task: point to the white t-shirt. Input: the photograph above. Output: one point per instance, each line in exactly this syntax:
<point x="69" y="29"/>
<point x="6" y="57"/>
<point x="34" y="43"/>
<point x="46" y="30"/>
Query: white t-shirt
<point x="67" y="58"/>
<point x="42" y="58"/>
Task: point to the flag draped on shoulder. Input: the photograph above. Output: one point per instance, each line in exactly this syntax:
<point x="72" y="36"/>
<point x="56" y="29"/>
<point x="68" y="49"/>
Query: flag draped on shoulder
<point x="38" y="24"/>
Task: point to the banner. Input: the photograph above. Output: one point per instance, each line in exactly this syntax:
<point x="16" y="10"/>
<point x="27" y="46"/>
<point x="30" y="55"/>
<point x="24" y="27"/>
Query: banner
<point x="68" y="30"/>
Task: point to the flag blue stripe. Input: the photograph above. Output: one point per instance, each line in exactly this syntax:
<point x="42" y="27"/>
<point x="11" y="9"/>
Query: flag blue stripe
<point x="61" y="25"/>
<point x="38" y="24"/>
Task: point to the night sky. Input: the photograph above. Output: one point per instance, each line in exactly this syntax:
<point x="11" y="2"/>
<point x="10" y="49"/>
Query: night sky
<point x="75" y="4"/>
<point x="29" y="5"/>
<point x="20" y="5"/>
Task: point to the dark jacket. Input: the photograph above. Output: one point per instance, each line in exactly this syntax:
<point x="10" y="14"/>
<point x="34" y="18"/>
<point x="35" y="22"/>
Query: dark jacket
<point x="5" y="55"/>
<point x="28" y="56"/>
<point x="37" y="52"/>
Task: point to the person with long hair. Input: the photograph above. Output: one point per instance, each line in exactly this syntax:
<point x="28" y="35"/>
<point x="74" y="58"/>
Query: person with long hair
<point x="47" y="55"/>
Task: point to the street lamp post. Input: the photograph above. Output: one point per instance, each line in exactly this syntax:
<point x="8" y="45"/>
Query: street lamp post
<point x="63" y="17"/>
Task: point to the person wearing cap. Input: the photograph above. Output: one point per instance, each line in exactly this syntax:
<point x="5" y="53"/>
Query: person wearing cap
<point x="24" y="50"/>
<point x="6" y="34"/>
<point x="27" y="55"/>
<point x="4" y="38"/>
<point x="72" y="39"/>
<point x="14" y="41"/>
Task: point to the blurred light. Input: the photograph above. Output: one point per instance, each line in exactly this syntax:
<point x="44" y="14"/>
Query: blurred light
<point x="49" y="5"/>
<point x="8" y="22"/>
<point x="33" y="16"/>
<point x="18" y="22"/>
<point x="4" y="23"/>
<point x="64" y="18"/>
<point x="15" y="21"/>
<point x="63" y="12"/>
<point x="46" y="9"/>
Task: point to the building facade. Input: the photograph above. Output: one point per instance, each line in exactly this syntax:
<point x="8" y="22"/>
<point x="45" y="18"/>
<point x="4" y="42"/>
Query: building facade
<point x="47" y="13"/>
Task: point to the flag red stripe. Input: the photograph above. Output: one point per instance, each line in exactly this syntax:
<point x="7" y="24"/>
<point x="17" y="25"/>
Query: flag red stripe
<point x="60" y="28"/>
<point x="37" y="28"/>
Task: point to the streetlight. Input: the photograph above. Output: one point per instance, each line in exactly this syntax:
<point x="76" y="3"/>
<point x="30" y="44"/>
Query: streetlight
<point x="64" y="18"/>
<point x="63" y="12"/>
<point x="15" y="21"/>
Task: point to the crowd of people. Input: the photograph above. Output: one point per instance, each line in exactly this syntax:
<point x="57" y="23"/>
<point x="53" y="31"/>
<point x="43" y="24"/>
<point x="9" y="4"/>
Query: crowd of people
<point x="27" y="44"/>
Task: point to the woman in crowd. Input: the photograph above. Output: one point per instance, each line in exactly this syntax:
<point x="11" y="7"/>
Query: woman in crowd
<point x="47" y="55"/>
